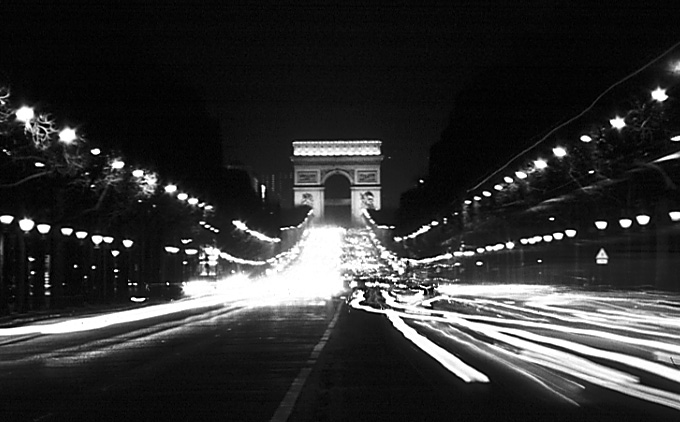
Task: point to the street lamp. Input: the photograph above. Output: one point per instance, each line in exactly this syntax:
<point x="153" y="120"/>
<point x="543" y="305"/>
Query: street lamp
<point x="26" y="224"/>
<point x="171" y="249"/>
<point x="43" y="228"/>
<point x="107" y="239"/>
<point x="617" y="122"/>
<point x="67" y="135"/>
<point x="25" y="114"/>
<point x="81" y="234"/>
<point x="643" y="219"/>
<point x="97" y="239"/>
<point x="6" y="219"/>
<point x="559" y="152"/>
<point x="541" y="164"/>
<point x="601" y="224"/>
<point x="128" y="243"/>
<point x="625" y="223"/>
<point x="67" y="231"/>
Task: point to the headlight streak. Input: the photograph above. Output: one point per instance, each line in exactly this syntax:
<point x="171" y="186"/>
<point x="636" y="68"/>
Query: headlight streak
<point x="561" y="355"/>
<point x="447" y="360"/>
<point x="106" y="320"/>
<point x="505" y="361"/>
<point x="454" y="365"/>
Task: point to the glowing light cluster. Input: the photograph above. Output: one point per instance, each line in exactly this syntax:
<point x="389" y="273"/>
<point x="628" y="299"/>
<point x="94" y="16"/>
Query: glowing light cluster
<point x="336" y="148"/>
<point x="616" y="122"/>
<point x="263" y="237"/>
<point x="305" y="221"/>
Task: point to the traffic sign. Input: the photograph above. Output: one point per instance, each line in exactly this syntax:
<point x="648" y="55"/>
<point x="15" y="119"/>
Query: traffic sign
<point x="602" y="258"/>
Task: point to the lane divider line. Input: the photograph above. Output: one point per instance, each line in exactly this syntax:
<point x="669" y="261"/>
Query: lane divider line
<point x="288" y="403"/>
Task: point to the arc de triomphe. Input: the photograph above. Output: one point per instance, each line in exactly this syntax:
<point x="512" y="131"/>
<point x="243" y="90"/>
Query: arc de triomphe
<point x="315" y="161"/>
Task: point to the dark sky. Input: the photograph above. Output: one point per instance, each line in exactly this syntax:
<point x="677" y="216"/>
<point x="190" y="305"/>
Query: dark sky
<point x="276" y="71"/>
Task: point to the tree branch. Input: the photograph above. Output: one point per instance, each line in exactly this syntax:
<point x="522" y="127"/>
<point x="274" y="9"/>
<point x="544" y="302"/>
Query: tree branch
<point x="25" y="179"/>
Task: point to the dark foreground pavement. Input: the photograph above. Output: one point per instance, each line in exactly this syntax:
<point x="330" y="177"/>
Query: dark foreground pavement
<point x="303" y="361"/>
<point x="370" y="372"/>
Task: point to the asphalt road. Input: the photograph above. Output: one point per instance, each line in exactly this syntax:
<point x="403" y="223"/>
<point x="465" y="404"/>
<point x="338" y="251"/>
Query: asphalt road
<point x="223" y="363"/>
<point x="305" y="360"/>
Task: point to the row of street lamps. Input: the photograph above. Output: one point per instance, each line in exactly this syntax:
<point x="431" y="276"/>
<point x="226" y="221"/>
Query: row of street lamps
<point x="29" y="286"/>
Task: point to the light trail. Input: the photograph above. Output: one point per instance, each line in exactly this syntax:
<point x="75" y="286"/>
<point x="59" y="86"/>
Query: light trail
<point x="315" y="274"/>
<point x="567" y="342"/>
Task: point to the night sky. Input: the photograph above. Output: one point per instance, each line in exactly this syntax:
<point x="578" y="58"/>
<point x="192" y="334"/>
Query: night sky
<point x="260" y="76"/>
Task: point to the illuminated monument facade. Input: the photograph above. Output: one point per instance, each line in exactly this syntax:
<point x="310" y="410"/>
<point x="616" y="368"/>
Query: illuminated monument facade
<point x="317" y="166"/>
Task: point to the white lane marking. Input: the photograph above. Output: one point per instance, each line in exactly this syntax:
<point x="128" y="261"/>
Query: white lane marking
<point x="288" y="403"/>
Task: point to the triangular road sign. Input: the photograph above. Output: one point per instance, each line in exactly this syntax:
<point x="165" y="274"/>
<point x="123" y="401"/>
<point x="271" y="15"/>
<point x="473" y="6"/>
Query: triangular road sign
<point x="602" y="258"/>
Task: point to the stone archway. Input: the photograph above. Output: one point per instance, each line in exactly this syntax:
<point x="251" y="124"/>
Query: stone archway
<point x="337" y="199"/>
<point x="357" y="161"/>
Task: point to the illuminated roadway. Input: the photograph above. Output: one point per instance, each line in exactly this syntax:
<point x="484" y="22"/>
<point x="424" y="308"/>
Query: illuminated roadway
<point x="287" y="347"/>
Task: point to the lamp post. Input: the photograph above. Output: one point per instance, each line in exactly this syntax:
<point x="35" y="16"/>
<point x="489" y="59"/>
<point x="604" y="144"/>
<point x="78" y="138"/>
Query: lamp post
<point x="5" y="221"/>
<point x="170" y="268"/>
<point x="97" y="282"/>
<point x="61" y="265"/>
<point x="26" y="225"/>
<point x="601" y="226"/>
<point x="81" y="288"/>
<point x="129" y="276"/>
<point x="108" y="284"/>
<point x="625" y="224"/>
<point x="42" y="287"/>
<point x="116" y="276"/>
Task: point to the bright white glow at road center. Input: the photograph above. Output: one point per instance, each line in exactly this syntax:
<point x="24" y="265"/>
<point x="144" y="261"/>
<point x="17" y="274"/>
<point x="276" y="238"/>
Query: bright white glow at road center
<point x="316" y="274"/>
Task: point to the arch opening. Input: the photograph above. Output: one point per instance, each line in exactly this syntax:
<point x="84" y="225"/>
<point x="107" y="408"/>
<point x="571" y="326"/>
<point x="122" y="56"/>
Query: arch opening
<point x="338" y="200"/>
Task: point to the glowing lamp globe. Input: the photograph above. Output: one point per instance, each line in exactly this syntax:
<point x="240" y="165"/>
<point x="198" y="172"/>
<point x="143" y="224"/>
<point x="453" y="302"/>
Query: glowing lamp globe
<point x="625" y="223"/>
<point x="25" y="114"/>
<point x="643" y="219"/>
<point x="659" y="95"/>
<point x="26" y="224"/>
<point x="559" y="152"/>
<point x="617" y="122"/>
<point x="67" y="135"/>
